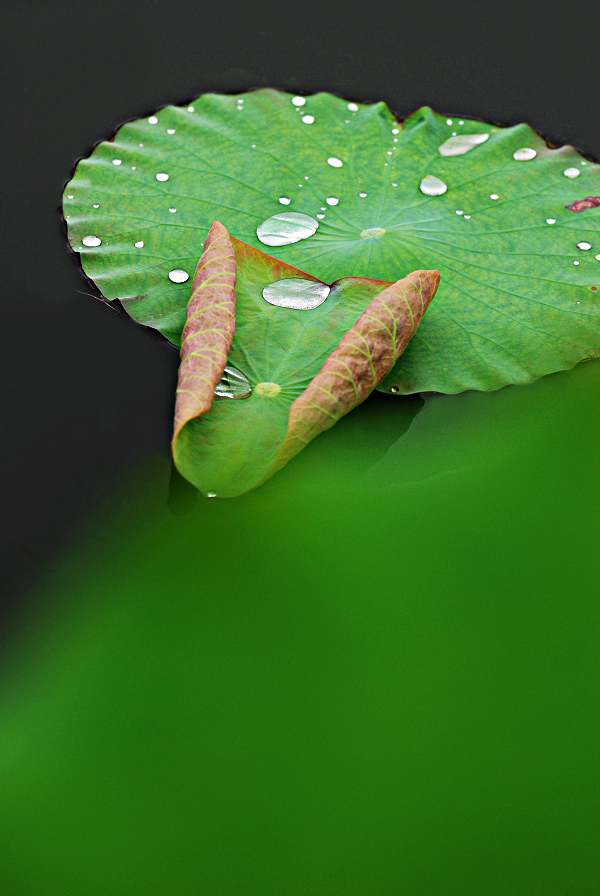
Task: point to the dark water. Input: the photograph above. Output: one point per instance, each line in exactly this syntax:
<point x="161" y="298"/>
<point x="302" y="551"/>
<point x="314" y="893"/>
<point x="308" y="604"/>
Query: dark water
<point x="377" y="674"/>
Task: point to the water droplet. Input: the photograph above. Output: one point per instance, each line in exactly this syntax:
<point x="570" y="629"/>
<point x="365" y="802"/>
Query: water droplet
<point x="96" y="205"/>
<point x="388" y="152"/>
<point x="362" y="195"/>
<point x="170" y="130"/>
<point x="372" y="233"/>
<point x="269" y="389"/>
<point x="172" y="210"/>
<point x="571" y="172"/>
<point x="91" y="241"/>
<point x="190" y="108"/>
<point x="597" y="257"/>
<point x="153" y="120"/>
<point x="211" y="494"/>
<point x="550" y="220"/>
<point x="254" y="146"/>
<point x="233" y="384"/>
<point x="395" y="131"/>
<point x="494" y="196"/>
<point x="139" y="244"/>
<point x="334" y="162"/>
<point x="461" y="121"/>
<point x="352" y="107"/>
<point x="284" y="200"/>
<point x="454" y="133"/>
<point x="394" y="389"/>
<point x="178" y="276"/>
<point x="466" y="218"/>
<point x="306" y="177"/>
<point x="308" y="119"/>
<point x="70" y="196"/>
<point x="133" y="167"/>
<point x="394" y="185"/>
<point x="294" y="292"/>
<point x="584" y="245"/>
<point x="116" y="161"/>
<point x="459" y="211"/>
<point x="458" y="146"/>
<point x="140" y="144"/>
<point x="448" y="121"/>
<point x="432" y="185"/>
<point x="331" y="200"/>
<point x="525" y="155"/>
<point x="286" y="228"/>
<point x="575" y="262"/>
<point x="162" y="176"/>
<point x="298" y="101"/>
<point x="320" y="216"/>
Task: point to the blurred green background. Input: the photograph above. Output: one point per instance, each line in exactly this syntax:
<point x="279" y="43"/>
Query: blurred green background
<point x="377" y="674"/>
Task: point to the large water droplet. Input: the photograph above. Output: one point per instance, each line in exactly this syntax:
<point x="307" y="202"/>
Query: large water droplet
<point x="153" y="120"/>
<point x="91" y="241"/>
<point x="584" y="245"/>
<point x="162" y="176"/>
<point x="139" y="244"/>
<point x="308" y="119"/>
<point x="285" y="200"/>
<point x="571" y="172"/>
<point x="233" y="384"/>
<point x="294" y="292"/>
<point x="458" y="146"/>
<point x="331" y="200"/>
<point x="116" y="161"/>
<point x="286" y="228"/>
<point x="352" y="107"/>
<point x="334" y="162"/>
<point x="432" y="185"/>
<point x="178" y="276"/>
<point x="298" y="100"/>
<point x="525" y="155"/>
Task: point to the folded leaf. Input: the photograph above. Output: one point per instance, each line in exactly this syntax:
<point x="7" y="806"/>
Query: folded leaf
<point x="305" y="364"/>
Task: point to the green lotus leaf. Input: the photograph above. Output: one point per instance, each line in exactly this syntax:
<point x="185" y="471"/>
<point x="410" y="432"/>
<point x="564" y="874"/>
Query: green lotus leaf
<point x="271" y="357"/>
<point x="512" y="225"/>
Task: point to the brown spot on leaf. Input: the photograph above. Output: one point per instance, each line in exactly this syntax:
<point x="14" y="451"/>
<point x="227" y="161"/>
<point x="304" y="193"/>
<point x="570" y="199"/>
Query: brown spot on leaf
<point x="594" y="288"/>
<point x="580" y="205"/>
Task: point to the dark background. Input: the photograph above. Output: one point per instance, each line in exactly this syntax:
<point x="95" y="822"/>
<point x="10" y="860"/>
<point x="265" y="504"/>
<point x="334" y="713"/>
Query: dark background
<point x="86" y="392"/>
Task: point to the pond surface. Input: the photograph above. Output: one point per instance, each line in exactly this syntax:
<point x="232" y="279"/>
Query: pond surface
<point x="377" y="674"/>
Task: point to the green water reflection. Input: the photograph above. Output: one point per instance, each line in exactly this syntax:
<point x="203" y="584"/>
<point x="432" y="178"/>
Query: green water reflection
<point x="377" y="674"/>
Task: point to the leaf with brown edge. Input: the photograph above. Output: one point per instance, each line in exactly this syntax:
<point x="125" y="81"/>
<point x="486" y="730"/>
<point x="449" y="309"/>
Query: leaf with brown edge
<point x="306" y="367"/>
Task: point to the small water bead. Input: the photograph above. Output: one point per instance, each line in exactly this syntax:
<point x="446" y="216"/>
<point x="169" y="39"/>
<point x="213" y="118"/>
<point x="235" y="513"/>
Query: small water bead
<point x="161" y="176"/>
<point x="190" y="108"/>
<point x="334" y="162"/>
<point x="461" y="122"/>
<point x="153" y="120"/>
<point x="178" y="276"/>
<point x="525" y="155"/>
<point x="395" y="131"/>
<point x="91" y="241"/>
<point x="233" y="384"/>
<point x="352" y="107"/>
<point x="170" y="130"/>
<point x="306" y="177"/>
<point x="139" y="244"/>
<point x="466" y="218"/>
<point x="211" y="494"/>
<point x="432" y="186"/>
<point x="133" y="167"/>
<point x="172" y="210"/>
<point x="96" y="205"/>
<point x="597" y="257"/>
<point x="298" y="101"/>
<point x="448" y="121"/>
<point x="70" y="196"/>
<point x="320" y="216"/>
<point x="308" y="119"/>
<point x="295" y="292"/>
<point x="116" y="161"/>
<point x="286" y="228"/>
<point x="331" y="200"/>
<point x="284" y="200"/>
<point x="394" y="185"/>
<point x="584" y="245"/>
<point x="454" y="133"/>
<point x="458" y="146"/>
<point x="459" y="211"/>
<point x="362" y="195"/>
<point x="372" y="233"/>
<point x="550" y="220"/>
<point x="571" y="172"/>
<point x="575" y="262"/>
<point x="494" y="196"/>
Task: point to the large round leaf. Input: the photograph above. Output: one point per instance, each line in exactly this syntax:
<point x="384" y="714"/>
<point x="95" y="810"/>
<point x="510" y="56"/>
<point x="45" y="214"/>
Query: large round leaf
<point x="512" y="225"/>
